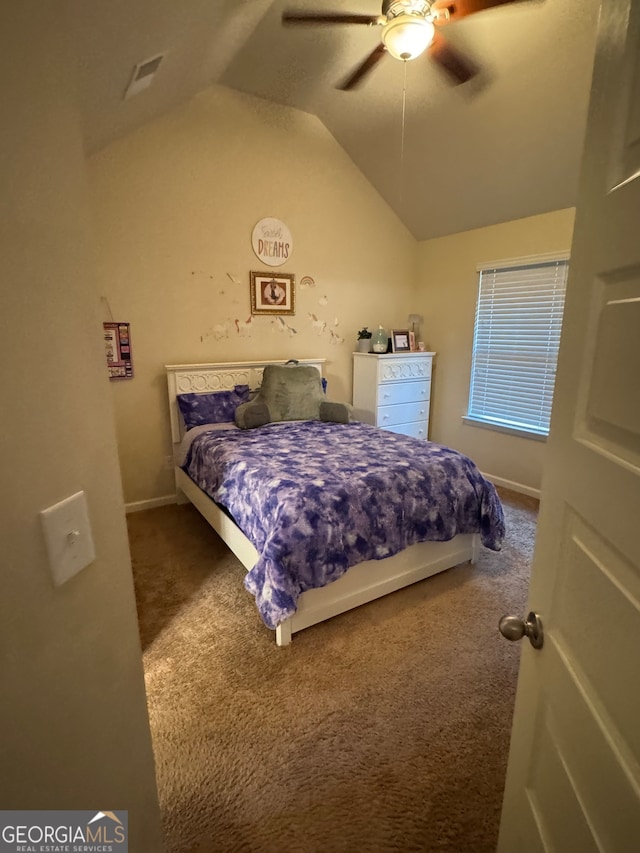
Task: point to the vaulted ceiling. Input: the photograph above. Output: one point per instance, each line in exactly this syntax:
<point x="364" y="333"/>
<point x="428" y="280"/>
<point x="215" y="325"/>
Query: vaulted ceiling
<point x="507" y="144"/>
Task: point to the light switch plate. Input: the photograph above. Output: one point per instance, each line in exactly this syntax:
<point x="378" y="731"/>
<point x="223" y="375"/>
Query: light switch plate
<point x="67" y="533"/>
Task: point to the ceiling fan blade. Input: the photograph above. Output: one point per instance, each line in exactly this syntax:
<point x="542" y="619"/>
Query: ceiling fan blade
<point x="357" y="76"/>
<point x="456" y="9"/>
<point x="455" y="64"/>
<point x="312" y="18"/>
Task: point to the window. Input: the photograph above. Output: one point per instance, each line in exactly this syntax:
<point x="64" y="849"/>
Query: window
<point x="515" y="343"/>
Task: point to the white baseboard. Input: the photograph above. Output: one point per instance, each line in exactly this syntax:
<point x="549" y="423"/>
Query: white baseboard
<point x="515" y="487"/>
<point x="138" y="506"/>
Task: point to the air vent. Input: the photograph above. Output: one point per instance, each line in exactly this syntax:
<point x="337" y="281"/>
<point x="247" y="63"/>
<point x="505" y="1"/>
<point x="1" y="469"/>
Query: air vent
<point x="143" y="75"/>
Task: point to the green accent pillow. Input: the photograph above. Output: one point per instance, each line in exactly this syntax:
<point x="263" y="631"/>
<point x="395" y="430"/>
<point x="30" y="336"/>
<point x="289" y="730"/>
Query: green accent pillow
<point x="289" y="393"/>
<point x="337" y="413"/>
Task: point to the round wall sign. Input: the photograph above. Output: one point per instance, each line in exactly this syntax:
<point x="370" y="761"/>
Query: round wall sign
<point x="272" y="242"/>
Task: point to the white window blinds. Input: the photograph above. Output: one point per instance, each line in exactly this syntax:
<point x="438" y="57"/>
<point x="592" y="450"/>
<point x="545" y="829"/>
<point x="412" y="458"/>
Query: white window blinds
<point x="515" y="345"/>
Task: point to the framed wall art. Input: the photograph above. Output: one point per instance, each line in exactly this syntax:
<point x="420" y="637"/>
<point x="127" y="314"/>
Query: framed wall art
<point x="272" y="293"/>
<point x="117" y="344"/>
<point x="400" y="340"/>
<point x="272" y="242"/>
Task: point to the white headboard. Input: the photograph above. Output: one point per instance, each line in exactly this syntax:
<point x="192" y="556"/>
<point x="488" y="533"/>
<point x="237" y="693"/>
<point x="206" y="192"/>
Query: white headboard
<point x="221" y="376"/>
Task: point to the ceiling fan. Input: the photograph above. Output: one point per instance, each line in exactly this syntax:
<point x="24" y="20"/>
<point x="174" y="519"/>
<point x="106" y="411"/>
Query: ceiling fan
<point x="409" y="28"/>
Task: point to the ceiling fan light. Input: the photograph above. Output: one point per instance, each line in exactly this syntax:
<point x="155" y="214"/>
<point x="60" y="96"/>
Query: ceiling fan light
<point x="407" y="36"/>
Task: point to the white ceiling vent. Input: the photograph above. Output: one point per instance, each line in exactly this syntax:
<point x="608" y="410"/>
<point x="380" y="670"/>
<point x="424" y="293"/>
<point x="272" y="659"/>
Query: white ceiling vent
<point x="143" y="75"/>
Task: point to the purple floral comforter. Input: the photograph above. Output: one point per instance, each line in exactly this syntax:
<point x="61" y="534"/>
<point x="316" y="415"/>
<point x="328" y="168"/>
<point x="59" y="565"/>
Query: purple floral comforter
<point x="316" y="498"/>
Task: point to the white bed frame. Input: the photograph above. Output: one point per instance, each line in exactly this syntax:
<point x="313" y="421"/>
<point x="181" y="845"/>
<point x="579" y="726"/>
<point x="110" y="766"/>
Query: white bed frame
<point x="361" y="583"/>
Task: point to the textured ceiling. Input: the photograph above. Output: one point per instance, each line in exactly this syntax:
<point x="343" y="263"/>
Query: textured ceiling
<point x="503" y="146"/>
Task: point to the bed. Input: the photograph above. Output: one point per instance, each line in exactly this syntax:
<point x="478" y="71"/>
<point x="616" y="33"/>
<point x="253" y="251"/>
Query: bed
<point x="300" y="583"/>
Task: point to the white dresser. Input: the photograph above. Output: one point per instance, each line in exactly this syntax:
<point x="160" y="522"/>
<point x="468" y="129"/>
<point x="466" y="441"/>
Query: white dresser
<point x="393" y="390"/>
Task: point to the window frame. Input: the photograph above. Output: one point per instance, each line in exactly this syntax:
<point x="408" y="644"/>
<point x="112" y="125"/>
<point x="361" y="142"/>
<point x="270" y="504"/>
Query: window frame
<point x="475" y="418"/>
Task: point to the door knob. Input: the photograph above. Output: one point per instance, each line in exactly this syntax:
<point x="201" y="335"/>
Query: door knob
<point x="514" y="628"/>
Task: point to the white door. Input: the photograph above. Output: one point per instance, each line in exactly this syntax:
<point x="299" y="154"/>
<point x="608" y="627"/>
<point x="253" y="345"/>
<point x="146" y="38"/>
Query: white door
<point x="573" y="782"/>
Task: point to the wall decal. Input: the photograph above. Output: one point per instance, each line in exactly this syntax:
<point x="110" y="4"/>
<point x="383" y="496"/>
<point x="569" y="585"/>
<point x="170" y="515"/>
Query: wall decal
<point x="307" y="281"/>
<point x="280" y="325"/>
<point x="317" y="323"/>
<point x="243" y="327"/>
<point x="220" y="331"/>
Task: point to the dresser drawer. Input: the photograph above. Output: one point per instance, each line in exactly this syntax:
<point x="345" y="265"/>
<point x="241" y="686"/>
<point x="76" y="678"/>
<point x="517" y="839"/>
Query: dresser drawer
<point x="402" y="414"/>
<point x="418" y="429"/>
<point x="403" y="392"/>
<point x="403" y="368"/>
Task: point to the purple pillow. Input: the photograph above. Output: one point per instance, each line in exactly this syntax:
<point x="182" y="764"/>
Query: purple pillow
<point x="218" y="407"/>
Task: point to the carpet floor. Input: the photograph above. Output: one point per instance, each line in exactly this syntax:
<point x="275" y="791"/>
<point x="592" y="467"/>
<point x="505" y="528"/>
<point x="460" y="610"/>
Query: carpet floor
<point x="384" y="729"/>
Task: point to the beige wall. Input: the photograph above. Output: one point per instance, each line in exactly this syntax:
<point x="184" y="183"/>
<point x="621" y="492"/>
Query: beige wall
<point x="74" y="730"/>
<point x="448" y="292"/>
<point x="175" y="204"/>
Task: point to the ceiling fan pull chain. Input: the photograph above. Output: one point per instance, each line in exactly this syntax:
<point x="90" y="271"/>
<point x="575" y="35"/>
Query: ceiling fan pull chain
<point x="404" y="109"/>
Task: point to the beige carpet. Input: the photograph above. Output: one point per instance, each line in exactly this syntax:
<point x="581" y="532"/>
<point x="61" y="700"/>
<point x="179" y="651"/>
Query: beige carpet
<point x="385" y="729"/>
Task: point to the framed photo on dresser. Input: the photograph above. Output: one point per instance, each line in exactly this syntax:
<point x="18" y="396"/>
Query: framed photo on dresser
<point x="400" y="341"/>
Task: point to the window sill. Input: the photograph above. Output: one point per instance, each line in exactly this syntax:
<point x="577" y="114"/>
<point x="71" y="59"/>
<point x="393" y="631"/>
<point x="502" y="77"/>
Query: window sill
<point x="519" y="431"/>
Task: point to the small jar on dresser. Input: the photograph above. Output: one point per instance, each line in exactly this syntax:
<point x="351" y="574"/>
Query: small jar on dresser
<point x="393" y="391"/>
